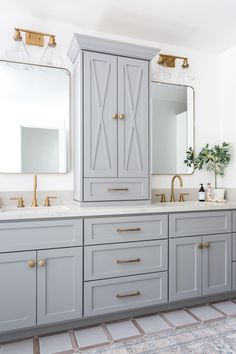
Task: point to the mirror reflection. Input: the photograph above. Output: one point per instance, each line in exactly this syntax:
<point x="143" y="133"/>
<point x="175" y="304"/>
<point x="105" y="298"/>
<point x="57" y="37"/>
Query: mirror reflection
<point x="34" y="118"/>
<point x="172" y="115"/>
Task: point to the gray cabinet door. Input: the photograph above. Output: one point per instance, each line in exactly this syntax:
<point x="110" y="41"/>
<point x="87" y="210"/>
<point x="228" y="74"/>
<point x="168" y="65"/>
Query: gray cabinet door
<point x="59" y="285"/>
<point x="17" y="291"/>
<point x="184" y="268"/>
<point x="216" y="257"/>
<point x="133" y="128"/>
<point x="100" y="103"/>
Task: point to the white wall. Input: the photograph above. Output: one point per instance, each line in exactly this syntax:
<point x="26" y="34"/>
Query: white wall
<point x="228" y="109"/>
<point x="204" y="67"/>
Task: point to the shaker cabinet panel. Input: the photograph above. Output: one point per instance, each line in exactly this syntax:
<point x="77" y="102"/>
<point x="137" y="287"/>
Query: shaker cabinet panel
<point x="100" y="104"/>
<point x="107" y="261"/>
<point x="133" y="128"/>
<point x="120" y="294"/>
<point x="125" y="229"/>
<point x="200" y="223"/>
<point x="216" y="264"/>
<point x="17" y="290"/>
<point x="109" y="189"/>
<point x="184" y="268"/>
<point x="59" y="285"/>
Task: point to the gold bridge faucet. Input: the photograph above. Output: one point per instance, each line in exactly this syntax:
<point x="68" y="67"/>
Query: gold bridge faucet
<point x="172" y="196"/>
<point x="34" y="201"/>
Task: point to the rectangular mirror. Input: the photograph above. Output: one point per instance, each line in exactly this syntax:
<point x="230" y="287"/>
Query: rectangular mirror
<point x="172" y="119"/>
<point x="34" y="118"/>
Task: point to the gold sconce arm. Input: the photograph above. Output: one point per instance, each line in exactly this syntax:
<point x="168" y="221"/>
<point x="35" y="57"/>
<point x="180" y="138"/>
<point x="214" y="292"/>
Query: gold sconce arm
<point x="169" y="61"/>
<point x="34" y="37"/>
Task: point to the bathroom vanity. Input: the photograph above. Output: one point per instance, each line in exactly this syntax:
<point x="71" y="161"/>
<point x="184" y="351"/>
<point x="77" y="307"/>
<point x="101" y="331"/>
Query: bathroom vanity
<point x="62" y="268"/>
<point x="69" y="266"/>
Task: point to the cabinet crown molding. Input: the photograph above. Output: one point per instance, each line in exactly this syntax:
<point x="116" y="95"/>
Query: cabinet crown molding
<point x="96" y="44"/>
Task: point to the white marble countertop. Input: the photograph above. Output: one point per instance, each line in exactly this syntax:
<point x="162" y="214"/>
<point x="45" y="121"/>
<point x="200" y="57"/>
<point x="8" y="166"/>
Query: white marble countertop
<point x="70" y="211"/>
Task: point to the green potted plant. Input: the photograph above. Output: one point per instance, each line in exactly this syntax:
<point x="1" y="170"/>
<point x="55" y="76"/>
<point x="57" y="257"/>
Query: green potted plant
<point x="215" y="159"/>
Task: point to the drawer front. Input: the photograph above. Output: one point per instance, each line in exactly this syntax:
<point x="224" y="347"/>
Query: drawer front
<point x="202" y="223"/>
<point x="109" y="261"/>
<point x="105" y="189"/>
<point x="112" y="295"/>
<point x="16" y="236"/>
<point x="234" y="220"/>
<point x="124" y="229"/>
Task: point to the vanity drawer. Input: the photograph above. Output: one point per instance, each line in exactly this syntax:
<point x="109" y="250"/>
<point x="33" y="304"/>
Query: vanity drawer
<point x="105" y="189"/>
<point x="125" y="229"/>
<point x="17" y="236"/>
<point x="112" y="295"/>
<point x="199" y="223"/>
<point x="109" y="261"/>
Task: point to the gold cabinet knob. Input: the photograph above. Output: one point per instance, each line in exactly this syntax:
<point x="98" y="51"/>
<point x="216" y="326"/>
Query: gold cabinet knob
<point x="200" y="245"/>
<point x="42" y="262"/>
<point x="121" y="116"/>
<point x="207" y="245"/>
<point x="31" y="263"/>
<point x="115" y="115"/>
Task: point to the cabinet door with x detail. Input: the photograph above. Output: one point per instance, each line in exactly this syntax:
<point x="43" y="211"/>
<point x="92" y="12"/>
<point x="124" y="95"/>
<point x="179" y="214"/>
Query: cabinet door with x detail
<point x="132" y="117"/>
<point x="100" y="115"/>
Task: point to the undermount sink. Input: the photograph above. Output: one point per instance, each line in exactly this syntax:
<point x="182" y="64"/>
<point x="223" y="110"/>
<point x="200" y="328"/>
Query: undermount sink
<point x="29" y="210"/>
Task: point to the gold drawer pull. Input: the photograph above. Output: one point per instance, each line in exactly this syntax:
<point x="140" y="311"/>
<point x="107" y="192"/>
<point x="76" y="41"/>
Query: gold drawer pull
<point x="127" y="230"/>
<point x="42" y="263"/>
<point x="121" y="296"/>
<point x="121" y="116"/>
<point x="122" y="261"/>
<point x="206" y="245"/>
<point x="200" y="245"/>
<point x="117" y="189"/>
<point x="31" y="263"/>
<point x="114" y="115"/>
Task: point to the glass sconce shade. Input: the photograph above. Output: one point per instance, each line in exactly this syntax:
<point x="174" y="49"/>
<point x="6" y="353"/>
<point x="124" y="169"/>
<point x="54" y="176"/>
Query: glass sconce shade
<point x="18" y="52"/>
<point x="50" y="56"/>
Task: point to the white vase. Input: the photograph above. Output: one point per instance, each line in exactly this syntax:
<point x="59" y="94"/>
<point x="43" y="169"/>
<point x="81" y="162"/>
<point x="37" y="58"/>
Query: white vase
<point x="218" y="194"/>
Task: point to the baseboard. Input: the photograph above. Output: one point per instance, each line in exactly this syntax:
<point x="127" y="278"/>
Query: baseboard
<point x="90" y="321"/>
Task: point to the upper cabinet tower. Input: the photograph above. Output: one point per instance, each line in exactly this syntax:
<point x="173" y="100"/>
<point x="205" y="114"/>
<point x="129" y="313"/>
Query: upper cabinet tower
<point x="111" y="119"/>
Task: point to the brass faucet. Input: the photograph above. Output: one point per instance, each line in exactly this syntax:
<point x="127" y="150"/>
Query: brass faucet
<point x="34" y="201"/>
<point x="172" y="196"/>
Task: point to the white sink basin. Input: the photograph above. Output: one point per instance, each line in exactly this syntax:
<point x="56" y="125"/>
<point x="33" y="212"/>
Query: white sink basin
<point x="30" y="210"/>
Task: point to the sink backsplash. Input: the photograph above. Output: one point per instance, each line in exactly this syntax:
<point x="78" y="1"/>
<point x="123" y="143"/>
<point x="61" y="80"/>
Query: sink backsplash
<point x="63" y="197"/>
<point x="193" y="194"/>
<point x="66" y="197"/>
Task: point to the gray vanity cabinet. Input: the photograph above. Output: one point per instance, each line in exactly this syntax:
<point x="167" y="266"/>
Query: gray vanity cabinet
<point x="111" y="119"/>
<point x="59" y="285"/>
<point x="216" y="264"/>
<point x="115" y="116"/>
<point x="184" y="268"/>
<point x="17" y="290"/>
<point x="199" y="266"/>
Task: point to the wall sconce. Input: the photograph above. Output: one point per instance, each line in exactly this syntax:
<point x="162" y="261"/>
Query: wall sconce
<point x="20" y="52"/>
<point x="167" y="62"/>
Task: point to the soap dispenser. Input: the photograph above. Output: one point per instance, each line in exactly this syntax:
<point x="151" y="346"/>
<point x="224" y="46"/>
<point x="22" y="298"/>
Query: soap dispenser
<point x="202" y="194"/>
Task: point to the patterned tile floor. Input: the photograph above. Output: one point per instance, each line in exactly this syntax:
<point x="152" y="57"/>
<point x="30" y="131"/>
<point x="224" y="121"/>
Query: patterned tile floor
<point x="205" y="329"/>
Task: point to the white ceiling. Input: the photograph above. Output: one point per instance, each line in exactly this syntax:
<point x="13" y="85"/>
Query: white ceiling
<point x="202" y="24"/>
